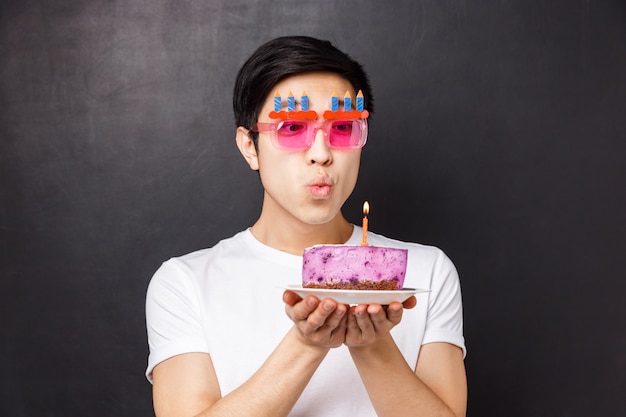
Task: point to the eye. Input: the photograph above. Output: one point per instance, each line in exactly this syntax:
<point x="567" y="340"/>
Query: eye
<point x="290" y="127"/>
<point x="343" y="127"/>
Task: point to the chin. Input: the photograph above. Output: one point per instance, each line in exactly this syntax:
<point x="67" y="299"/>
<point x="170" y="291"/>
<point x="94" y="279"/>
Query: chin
<point x="319" y="218"/>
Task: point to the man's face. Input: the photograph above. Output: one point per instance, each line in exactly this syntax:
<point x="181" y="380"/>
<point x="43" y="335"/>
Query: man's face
<point x="311" y="185"/>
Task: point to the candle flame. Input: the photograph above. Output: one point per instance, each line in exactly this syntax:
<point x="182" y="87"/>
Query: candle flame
<point x="366" y="208"/>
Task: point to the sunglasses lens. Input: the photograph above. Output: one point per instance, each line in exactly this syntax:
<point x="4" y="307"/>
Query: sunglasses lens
<point x="346" y="134"/>
<point x="293" y="134"/>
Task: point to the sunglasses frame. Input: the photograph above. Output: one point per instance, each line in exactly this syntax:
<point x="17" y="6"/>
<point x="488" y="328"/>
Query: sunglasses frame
<point x="309" y="118"/>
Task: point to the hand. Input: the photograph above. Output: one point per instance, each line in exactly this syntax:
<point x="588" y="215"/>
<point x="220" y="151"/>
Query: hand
<point x="321" y="323"/>
<point x="369" y="323"/>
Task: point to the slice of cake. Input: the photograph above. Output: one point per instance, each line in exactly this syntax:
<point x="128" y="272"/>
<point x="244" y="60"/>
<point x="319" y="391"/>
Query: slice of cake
<point x="354" y="267"/>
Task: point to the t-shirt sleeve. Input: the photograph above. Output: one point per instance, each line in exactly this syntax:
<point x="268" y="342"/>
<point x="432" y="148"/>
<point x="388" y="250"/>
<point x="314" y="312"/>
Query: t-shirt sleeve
<point x="173" y="315"/>
<point x="445" y="309"/>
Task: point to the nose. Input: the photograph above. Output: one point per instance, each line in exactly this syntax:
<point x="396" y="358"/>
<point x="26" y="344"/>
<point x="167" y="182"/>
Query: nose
<point x="319" y="152"/>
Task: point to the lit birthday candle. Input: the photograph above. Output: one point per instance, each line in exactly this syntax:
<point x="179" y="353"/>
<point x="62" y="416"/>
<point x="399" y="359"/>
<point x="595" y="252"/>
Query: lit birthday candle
<point x="366" y="210"/>
<point x="359" y="101"/>
<point x="334" y="102"/>
<point x="291" y="102"/>
<point x="347" y="102"/>
<point x="304" y="101"/>
<point x="277" y="102"/>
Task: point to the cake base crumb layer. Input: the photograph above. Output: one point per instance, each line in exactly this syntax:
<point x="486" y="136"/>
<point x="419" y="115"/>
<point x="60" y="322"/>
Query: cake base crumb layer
<point x="385" y="285"/>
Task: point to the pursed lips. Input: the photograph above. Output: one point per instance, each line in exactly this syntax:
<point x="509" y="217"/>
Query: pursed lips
<point x="320" y="187"/>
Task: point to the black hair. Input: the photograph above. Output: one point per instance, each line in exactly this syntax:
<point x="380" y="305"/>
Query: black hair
<point x="284" y="57"/>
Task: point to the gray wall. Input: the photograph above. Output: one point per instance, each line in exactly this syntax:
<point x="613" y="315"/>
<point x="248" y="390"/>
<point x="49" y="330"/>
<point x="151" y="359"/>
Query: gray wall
<point x="499" y="137"/>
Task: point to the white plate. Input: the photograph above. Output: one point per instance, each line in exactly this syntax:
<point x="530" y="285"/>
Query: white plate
<point x="358" y="296"/>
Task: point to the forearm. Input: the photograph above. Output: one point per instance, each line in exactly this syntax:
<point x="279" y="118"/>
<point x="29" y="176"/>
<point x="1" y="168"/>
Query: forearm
<point x="393" y="387"/>
<point x="274" y="389"/>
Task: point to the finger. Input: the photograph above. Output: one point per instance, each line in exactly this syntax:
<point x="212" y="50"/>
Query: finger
<point x="336" y="319"/>
<point x="338" y="334"/>
<point x="332" y="331"/>
<point x="324" y="309"/>
<point x="302" y="309"/>
<point x="378" y="316"/>
<point x="352" y="326"/>
<point x="291" y="298"/>
<point x="410" y="302"/>
<point x="394" y="313"/>
<point x="364" y="321"/>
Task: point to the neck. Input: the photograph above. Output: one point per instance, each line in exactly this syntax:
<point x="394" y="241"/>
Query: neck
<point x="293" y="236"/>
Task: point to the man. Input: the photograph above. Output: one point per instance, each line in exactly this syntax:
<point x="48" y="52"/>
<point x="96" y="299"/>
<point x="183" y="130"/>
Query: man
<point x="221" y="341"/>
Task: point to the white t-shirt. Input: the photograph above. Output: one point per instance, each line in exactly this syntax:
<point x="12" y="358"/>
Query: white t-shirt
<point x="227" y="301"/>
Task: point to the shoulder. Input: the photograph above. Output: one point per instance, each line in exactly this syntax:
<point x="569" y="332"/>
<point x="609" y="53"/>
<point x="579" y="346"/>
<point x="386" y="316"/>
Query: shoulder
<point x="183" y="271"/>
<point x="199" y="258"/>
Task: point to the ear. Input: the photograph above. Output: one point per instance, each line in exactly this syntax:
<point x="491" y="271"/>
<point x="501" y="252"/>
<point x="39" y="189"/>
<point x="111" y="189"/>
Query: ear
<point x="247" y="148"/>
